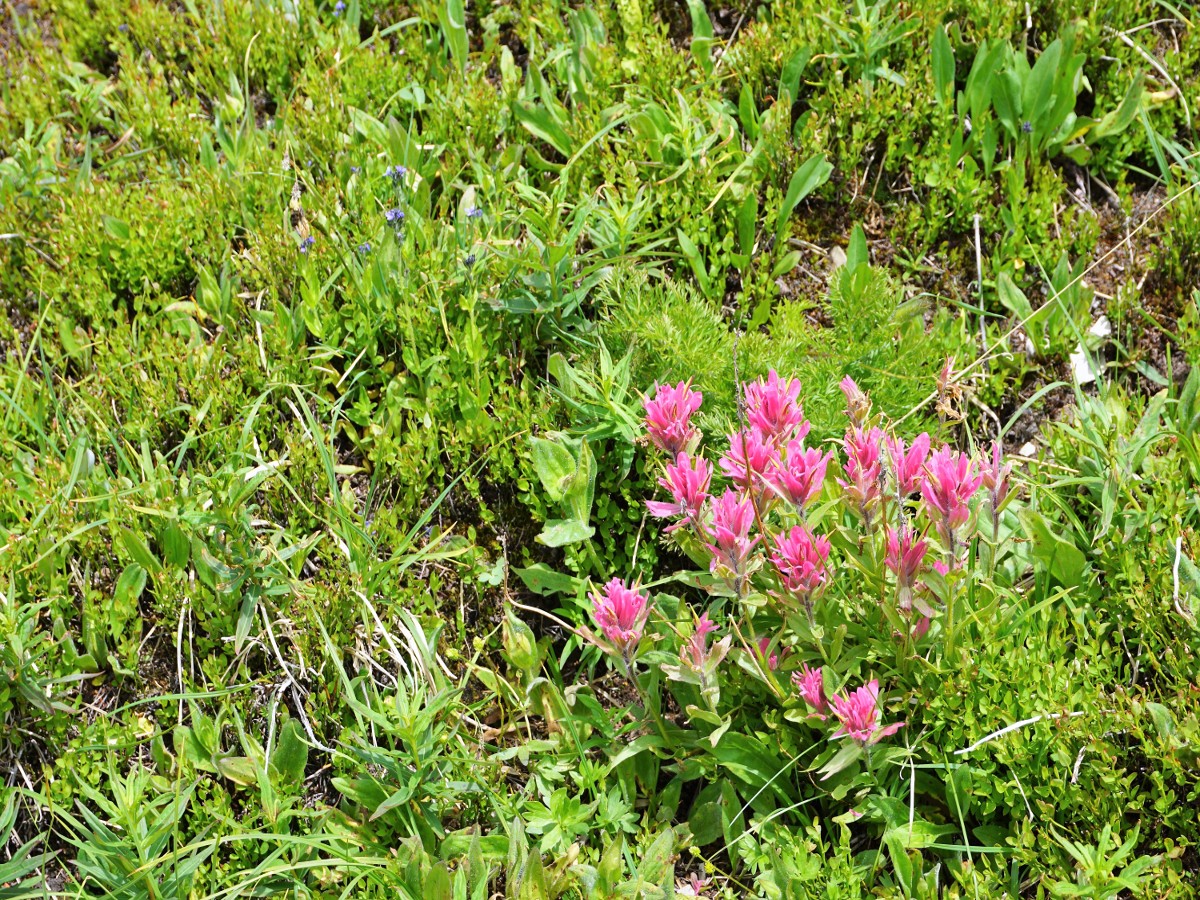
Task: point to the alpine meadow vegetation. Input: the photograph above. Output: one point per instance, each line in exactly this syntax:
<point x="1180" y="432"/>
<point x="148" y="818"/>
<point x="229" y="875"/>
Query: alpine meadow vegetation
<point x="643" y="449"/>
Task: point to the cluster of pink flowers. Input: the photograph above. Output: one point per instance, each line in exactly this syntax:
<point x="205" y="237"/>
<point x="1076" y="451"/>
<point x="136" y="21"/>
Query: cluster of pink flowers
<point x="916" y="505"/>
<point x="857" y="712"/>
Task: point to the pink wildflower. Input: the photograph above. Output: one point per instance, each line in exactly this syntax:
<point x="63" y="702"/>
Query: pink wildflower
<point x="798" y="479"/>
<point x="688" y="481"/>
<point x="621" y="613"/>
<point x="859" y="715"/>
<point x="951" y="479"/>
<point x="695" y="651"/>
<point x="858" y="405"/>
<point x="668" y="415"/>
<point x="921" y="628"/>
<point x="995" y="478"/>
<point x="995" y="475"/>
<point x="811" y="684"/>
<point x="750" y="458"/>
<point x="908" y="462"/>
<point x="772" y="660"/>
<point x="773" y="407"/>
<point x="733" y="516"/>
<point x="864" y="468"/>
<point x="905" y="556"/>
<point x="800" y="558"/>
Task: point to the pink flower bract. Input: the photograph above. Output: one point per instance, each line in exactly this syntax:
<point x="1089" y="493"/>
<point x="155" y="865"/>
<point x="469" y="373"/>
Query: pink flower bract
<point x="688" y="481"/>
<point x="799" y="477"/>
<point x="864" y="466"/>
<point x="908" y="463"/>
<point x="800" y="558"/>
<point x="620" y="612"/>
<point x="751" y="456"/>
<point x="668" y="416"/>
<point x="858" y="714"/>
<point x="733" y="517"/>
<point x="773" y="407"/>
<point x="811" y="684"/>
<point x="950" y="481"/>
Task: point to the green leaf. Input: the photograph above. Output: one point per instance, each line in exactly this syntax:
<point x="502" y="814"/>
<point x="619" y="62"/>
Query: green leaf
<point x="845" y="757"/>
<point x="140" y="551"/>
<point x="943" y="65"/>
<point x="130" y="585"/>
<point x="560" y="532"/>
<point x="543" y="580"/>
<point x="789" y="77"/>
<point x="749" y="759"/>
<point x="702" y="35"/>
<point x="115" y="227"/>
<point x="452" y="17"/>
<point x="1122" y="117"/>
<point x="811" y="175"/>
<point x="238" y="769"/>
<point x="1060" y="558"/>
<point x="555" y="467"/>
<point x="290" y="756"/>
<point x="539" y="122"/>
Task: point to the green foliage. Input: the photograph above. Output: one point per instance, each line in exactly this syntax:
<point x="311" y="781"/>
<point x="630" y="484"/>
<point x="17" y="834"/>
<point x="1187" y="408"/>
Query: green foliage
<point x="273" y="456"/>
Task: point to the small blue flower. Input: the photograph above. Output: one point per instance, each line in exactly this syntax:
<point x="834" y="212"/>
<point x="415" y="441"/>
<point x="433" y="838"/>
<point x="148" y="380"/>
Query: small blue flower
<point x="306" y="243"/>
<point x="1027" y="127"/>
<point x="469" y="260"/>
<point x="474" y="212"/>
<point x="396" y="173"/>
<point x="364" y="248"/>
<point x="354" y="170"/>
<point x="394" y="216"/>
<point x="122" y="27"/>
<point x="339" y="7"/>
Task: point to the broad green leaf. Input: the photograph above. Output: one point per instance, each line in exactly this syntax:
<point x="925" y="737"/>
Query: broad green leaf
<point x="943" y="65"/>
<point x="290" y="756"/>
<point x="452" y="17"/>
<point x="1058" y="557"/>
<point x="543" y="580"/>
<point x="560" y="532"/>
<point x="811" y="175"/>
<point x="115" y="227"/>
<point x="702" y="35"/>
<point x="137" y="547"/>
<point x="238" y="769"/>
<point x="554" y="465"/>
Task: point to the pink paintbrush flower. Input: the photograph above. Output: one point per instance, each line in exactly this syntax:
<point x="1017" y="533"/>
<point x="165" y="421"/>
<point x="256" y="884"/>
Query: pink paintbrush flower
<point x="858" y="405"/>
<point x="906" y="558"/>
<point x="908" y="462"/>
<point x="621" y="612"/>
<point x="950" y="481"/>
<point x="773" y="407"/>
<point x="995" y="479"/>
<point x="811" y="684"/>
<point x="859" y="715"/>
<point x="688" y="481"/>
<point x="864" y="468"/>
<point x="695" y="651"/>
<point x="800" y="558"/>
<point x="799" y="477"/>
<point x="772" y="660"/>
<point x="732" y="519"/>
<point x="750" y="458"/>
<point x="668" y="416"/>
<point x="995" y="475"/>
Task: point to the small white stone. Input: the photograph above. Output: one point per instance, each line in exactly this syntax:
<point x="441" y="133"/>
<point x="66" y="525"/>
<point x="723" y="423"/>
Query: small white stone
<point x="1081" y="368"/>
<point x="1029" y="450"/>
<point x="1101" y="327"/>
